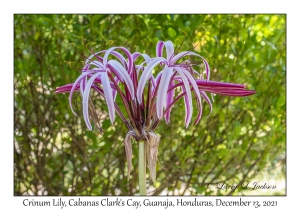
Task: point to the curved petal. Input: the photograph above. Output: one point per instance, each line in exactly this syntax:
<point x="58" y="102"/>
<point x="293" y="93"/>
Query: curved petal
<point x="73" y="89"/>
<point x="85" y="100"/>
<point x="187" y="97"/>
<point x="232" y="92"/>
<point x="182" y="54"/>
<point x="169" y="49"/>
<point x="116" y="72"/>
<point x="187" y="105"/>
<point x="98" y="64"/>
<point x="82" y="85"/>
<point x="129" y="56"/>
<point x="145" y="76"/>
<point x="108" y="96"/>
<point x="124" y="74"/>
<point x="214" y="84"/>
<point x="86" y="68"/>
<point x="139" y="68"/>
<point x="162" y="91"/>
<point x="145" y="56"/>
<point x="65" y="88"/>
<point x="159" y="49"/>
<point x="89" y="59"/>
<point x="193" y="83"/>
<point x="197" y="92"/>
<point x="169" y="101"/>
<point x="120" y="57"/>
<point x="199" y="104"/>
<point x="116" y="54"/>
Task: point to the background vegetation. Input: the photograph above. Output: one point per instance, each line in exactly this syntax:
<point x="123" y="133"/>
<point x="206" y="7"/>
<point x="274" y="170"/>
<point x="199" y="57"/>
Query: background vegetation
<point x="243" y="138"/>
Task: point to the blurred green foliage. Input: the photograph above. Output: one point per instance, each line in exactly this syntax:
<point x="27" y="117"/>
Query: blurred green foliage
<point x="54" y="154"/>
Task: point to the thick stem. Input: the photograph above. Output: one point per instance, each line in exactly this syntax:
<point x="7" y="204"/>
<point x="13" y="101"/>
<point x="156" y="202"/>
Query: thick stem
<point x="142" y="167"/>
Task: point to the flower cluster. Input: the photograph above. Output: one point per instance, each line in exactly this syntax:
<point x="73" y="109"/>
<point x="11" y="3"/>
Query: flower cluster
<point x="145" y="108"/>
<point x="148" y="97"/>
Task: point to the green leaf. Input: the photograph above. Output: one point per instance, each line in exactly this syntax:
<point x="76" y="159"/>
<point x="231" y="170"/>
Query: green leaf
<point x="171" y="32"/>
<point x="271" y="45"/>
<point x="280" y="101"/>
<point x="106" y="124"/>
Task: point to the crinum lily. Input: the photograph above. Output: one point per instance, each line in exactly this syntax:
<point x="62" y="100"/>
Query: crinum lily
<point x="147" y="98"/>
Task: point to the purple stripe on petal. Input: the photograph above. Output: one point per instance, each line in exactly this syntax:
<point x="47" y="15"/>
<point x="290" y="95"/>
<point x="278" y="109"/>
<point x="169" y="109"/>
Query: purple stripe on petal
<point x="169" y="101"/>
<point x="140" y="67"/>
<point x="89" y="59"/>
<point x="235" y="92"/>
<point x="159" y="49"/>
<point x="124" y="74"/>
<point x="129" y="56"/>
<point x="170" y="50"/>
<point x="108" y="96"/>
<point x="187" y="105"/>
<point x="162" y="91"/>
<point x="175" y="85"/>
<point x="193" y="83"/>
<point x="212" y="84"/>
<point x="99" y="90"/>
<point x="186" y="53"/>
<point x="158" y="76"/>
<point x="116" y="54"/>
<point x="116" y="72"/>
<point x="135" y="55"/>
<point x="73" y="89"/>
<point x="120" y="57"/>
<point x="153" y="81"/>
<point x="197" y="92"/>
<point x="188" y="97"/>
<point x="207" y="69"/>
<point x="199" y="103"/>
<point x="66" y="88"/>
<point x="145" y="56"/>
<point x="182" y="54"/>
<point x="82" y="85"/>
<point x="85" y="100"/>
<point x="86" y="68"/>
<point x="99" y="65"/>
<point x="145" y="76"/>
